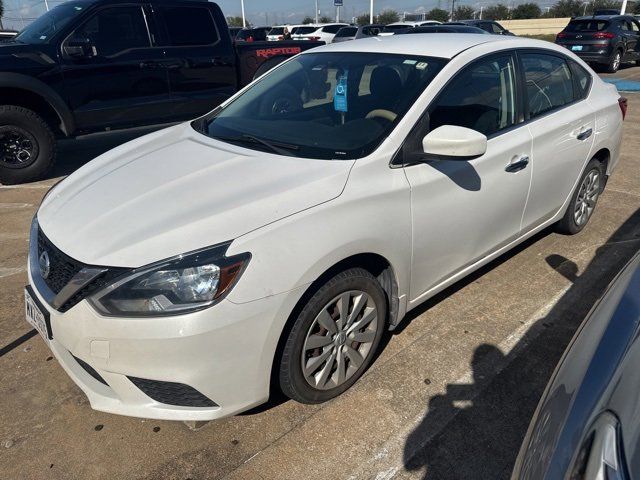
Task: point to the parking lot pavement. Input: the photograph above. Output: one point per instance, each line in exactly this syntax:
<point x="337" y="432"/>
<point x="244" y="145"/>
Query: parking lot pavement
<point x="450" y="396"/>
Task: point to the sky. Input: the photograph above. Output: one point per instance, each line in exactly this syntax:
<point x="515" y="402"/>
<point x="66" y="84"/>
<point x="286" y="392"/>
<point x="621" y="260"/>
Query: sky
<point x="260" y="12"/>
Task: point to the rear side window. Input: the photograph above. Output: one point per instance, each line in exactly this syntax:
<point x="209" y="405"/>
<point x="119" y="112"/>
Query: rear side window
<point x="587" y="26"/>
<point x="549" y="82"/>
<point x="495" y="28"/>
<point x="582" y="81"/>
<point x="276" y="31"/>
<point x="190" y="26"/>
<point x="481" y="97"/>
<point x="347" y="32"/>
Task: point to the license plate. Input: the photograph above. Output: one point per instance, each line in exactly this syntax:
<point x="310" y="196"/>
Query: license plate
<point x="36" y="315"/>
<point x="576" y="48"/>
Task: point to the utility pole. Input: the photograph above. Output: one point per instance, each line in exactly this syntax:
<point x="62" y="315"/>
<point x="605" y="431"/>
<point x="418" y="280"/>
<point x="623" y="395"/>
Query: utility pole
<point x="46" y="5"/>
<point x="316" y="11"/>
<point x="244" y="21"/>
<point x="371" y="12"/>
<point x="453" y="4"/>
<point x="481" y="7"/>
<point x="623" y="9"/>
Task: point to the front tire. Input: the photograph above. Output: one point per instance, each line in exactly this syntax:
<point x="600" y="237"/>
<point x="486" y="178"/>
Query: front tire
<point x="27" y="145"/>
<point x="334" y="338"/>
<point x="584" y="200"/>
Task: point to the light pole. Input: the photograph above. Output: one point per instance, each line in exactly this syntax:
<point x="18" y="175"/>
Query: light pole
<point x="624" y="7"/>
<point x="371" y="12"/>
<point x="244" y="22"/>
<point x="316" y="12"/>
<point x="46" y="5"/>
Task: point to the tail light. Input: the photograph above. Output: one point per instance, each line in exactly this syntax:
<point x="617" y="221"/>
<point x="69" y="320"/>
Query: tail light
<point x="314" y="39"/>
<point x="280" y="37"/>
<point x="604" y="35"/>
<point x="622" y="102"/>
<point x="561" y="35"/>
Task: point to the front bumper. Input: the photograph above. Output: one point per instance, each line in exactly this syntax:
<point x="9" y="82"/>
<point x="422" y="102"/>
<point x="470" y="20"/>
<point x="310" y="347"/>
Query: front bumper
<point x="224" y="352"/>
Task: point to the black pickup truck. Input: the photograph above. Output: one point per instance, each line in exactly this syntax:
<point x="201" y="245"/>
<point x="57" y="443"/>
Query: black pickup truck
<point x="95" y="65"/>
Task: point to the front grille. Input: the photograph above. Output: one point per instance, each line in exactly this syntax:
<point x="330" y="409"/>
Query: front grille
<point x="171" y="393"/>
<point x="89" y="369"/>
<point x="62" y="268"/>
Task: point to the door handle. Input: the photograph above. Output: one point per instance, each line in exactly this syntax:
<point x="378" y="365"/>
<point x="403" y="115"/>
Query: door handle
<point x="585" y="134"/>
<point x="516" y="166"/>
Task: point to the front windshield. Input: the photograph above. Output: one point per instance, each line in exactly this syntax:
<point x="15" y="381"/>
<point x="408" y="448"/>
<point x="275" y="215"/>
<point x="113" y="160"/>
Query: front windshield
<point x="324" y="105"/>
<point x="44" y="27"/>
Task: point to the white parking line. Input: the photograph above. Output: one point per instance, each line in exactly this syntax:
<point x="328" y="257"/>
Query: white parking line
<point x="10" y="206"/>
<point x="7" y="272"/>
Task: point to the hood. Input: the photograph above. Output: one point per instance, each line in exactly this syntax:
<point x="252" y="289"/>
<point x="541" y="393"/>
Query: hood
<point x="16" y="54"/>
<point x="175" y="191"/>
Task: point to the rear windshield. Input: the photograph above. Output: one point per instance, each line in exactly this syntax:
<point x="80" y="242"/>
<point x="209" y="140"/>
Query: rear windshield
<point x="347" y="32"/>
<point x="587" y="26"/>
<point x="276" y="31"/>
<point x="304" y="30"/>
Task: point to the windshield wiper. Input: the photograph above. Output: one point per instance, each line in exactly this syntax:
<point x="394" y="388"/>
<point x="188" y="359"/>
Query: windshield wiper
<point x="275" y="147"/>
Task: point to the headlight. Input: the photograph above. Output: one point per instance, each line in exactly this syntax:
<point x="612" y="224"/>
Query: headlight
<point x="182" y="284"/>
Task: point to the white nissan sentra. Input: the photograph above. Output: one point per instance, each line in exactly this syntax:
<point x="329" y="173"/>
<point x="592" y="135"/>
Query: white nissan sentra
<point x="271" y="243"/>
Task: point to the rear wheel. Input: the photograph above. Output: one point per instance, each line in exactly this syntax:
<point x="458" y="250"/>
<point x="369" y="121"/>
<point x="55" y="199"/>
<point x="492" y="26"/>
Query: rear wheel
<point x="584" y="199"/>
<point x="334" y="338"/>
<point x="614" y="62"/>
<point x="27" y="145"/>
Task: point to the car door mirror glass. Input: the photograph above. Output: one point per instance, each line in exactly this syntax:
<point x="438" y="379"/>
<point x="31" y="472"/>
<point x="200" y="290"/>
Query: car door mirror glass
<point x="451" y="142"/>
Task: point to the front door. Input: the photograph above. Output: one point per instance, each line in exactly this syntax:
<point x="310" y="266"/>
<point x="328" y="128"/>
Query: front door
<point x="464" y="210"/>
<point x="118" y="80"/>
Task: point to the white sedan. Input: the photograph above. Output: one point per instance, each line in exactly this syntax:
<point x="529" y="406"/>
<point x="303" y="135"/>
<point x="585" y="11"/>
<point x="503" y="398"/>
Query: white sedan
<point x="272" y="242"/>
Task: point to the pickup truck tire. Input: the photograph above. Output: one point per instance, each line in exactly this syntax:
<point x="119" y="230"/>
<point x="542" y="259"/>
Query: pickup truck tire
<point x="27" y="145"/>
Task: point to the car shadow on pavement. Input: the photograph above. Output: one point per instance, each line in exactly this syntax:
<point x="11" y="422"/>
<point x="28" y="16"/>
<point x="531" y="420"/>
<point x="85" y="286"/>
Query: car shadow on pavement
<point x="486" y="419"/>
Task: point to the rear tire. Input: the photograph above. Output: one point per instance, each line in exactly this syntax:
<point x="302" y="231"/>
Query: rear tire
<point x="614" y="62"/>
<point x="584" y="199"/>
<point x="334" y="338"/>
<point x="27" y="145"/>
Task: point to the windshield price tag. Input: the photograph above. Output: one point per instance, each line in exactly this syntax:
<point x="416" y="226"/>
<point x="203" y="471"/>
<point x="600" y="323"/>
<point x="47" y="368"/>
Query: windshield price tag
<point x="340" y="94"/>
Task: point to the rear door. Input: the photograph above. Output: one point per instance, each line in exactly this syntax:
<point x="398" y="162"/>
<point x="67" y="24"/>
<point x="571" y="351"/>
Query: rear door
<point x="200" y="58"/>
<point x="562" y="125"/>
<point x="630" y="30"/>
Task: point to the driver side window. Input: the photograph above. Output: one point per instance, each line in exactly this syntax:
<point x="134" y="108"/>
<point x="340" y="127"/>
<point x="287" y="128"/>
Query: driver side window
<point x="482" y="97"/>
<point x="113" y="30"/>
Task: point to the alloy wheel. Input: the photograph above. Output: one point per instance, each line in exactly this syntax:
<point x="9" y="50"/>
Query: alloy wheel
<point x="339" y="340"/>
<point x="587" y="197"/>
<point x="616" y="61"/>
<point x="18" y="147"/>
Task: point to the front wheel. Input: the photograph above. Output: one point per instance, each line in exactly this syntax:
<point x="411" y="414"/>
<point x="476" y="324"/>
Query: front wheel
<point x="584" y="199"/>
<point x="334" y="338"/>
<point x="27" y="145"/>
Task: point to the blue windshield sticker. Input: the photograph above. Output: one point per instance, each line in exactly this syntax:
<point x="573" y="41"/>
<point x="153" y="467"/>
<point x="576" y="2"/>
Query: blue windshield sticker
<point x="340" y="94"/>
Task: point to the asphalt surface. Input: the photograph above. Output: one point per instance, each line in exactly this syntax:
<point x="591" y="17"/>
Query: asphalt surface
<point x="449" y="397"/>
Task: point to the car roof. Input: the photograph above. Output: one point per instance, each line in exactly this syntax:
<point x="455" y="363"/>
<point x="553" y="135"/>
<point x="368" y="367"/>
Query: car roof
<point x="443" y="45"/>
<point x="601" y="17"/>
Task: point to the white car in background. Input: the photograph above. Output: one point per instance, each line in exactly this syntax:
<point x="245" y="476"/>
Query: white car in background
<point x="323" y="32"/>
<point x="273" y="241"/>
<point x="277" y="32"/>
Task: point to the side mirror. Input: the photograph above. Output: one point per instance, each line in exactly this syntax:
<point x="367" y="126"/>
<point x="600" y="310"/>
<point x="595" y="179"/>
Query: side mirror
<point x="450" y="142"/>
<point x="79" y="47"/>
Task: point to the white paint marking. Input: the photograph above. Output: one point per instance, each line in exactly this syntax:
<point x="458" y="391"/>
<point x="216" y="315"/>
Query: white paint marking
<point x="7" y="272"/>
<point x="11" y="206"/>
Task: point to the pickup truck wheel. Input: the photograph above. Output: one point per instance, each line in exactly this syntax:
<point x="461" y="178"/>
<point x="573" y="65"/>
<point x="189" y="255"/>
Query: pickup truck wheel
<point x="27" y="145"/>
<point x="334" y="337"/>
